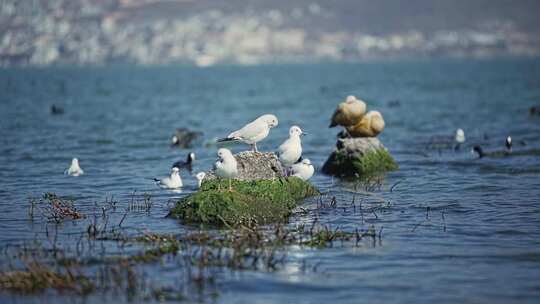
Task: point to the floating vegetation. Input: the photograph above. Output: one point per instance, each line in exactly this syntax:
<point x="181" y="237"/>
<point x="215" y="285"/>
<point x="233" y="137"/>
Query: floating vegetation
<point x="55" y="209"/>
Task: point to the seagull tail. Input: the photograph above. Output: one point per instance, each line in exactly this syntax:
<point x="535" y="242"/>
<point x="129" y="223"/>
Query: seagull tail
<point x="228" y="139"/>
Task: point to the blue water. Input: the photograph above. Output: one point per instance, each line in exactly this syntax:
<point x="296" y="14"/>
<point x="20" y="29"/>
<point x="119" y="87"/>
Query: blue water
<point x="480" y="241"/>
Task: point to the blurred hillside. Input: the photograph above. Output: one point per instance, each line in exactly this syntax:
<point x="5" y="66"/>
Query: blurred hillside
<point x="203" y="32"/>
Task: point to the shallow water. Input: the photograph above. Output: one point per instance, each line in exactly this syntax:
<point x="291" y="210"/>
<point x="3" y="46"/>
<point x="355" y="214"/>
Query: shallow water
<point x="480" y="239"/>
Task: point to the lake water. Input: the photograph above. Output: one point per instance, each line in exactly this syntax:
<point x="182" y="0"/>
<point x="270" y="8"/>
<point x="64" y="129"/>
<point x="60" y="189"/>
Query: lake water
<point x="478" y="242"/>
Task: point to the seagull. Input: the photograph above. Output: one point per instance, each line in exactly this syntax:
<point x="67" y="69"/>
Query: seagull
<point x="226" y="166"/>
<point x="187" y="163"/>
<point x="303" y="169"/>
<point x="254" y="131"/>
<point x="74" y="169"/>
<point x="459" y="138"/>
<point x="200" y="176"/>
<point x="348" y="113"/>
<point x="290" y="151"/>
<point x="370" y="125"/>
<point x="170" y="182"/>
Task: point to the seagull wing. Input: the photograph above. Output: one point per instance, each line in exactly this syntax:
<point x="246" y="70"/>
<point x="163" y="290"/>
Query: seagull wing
<point x="250" y="130"/>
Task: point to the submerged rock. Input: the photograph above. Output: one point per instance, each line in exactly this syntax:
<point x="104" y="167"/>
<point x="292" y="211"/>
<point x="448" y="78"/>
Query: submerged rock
<point x="255" y="166"/>
<point x="357" y="157"/>
<point x="257" y="201"/>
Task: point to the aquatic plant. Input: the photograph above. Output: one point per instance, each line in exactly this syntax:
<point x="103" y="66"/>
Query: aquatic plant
<point x="261" y="201"/>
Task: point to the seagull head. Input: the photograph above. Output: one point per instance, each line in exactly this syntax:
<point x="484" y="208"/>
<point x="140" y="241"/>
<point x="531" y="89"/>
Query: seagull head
<point x="460" y="136"/>
<point x="75" y="162"/>
<point x="306" y="162"/>
<point x="224" y="153"/>
<point x="350" y="99"/>
<point x="296" y="131"/>
<point x="191" y="156"/>
<point x="174" y="140"/>
<point x="270" y="119"/>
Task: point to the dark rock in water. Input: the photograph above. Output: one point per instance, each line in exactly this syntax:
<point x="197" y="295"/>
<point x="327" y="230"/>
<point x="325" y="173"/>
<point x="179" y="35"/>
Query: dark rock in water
<point x="56" y="110"/>
<point x="535" y="110"/>
<point x="255" y="166"/>
<point x="184" y="137"/>
<point x="357" y="157"/>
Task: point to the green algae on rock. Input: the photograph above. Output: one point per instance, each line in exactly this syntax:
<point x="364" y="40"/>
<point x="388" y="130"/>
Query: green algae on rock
<point x="263" y="201"/>
<point x="359" y="157"/>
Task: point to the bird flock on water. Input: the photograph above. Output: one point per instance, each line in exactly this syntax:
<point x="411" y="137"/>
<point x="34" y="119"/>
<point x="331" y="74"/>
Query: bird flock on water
<point x="350" y="114"/>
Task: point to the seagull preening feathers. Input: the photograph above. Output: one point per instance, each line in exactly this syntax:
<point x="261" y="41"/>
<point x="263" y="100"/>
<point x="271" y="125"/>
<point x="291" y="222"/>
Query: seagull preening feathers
<point x="254" y="131"/>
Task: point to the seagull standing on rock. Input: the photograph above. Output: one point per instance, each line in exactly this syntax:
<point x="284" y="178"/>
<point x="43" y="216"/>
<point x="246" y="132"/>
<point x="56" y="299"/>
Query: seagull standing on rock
<point x="226" y="166"/>
<point x="74" y="169"/>
<point x="254" y="131"/>
<point x="290" y="151"/>
<point x="303" y="169"/>
<point x="170" y="182"/>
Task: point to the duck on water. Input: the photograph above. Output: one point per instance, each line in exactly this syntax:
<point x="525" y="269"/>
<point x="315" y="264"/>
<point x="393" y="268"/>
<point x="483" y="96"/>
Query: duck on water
<point x="481" y="153"/>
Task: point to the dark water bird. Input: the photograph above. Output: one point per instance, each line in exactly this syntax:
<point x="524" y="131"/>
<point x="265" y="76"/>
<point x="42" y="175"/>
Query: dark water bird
<point x="56" y="110"/>
<point x="183" y="137"/>
<point x="394" y="103"/>
<point x="481" y="153"/>
<point x="508" y="144"/>
<point x="186" y="164"/>
<point x="534" y="110"/>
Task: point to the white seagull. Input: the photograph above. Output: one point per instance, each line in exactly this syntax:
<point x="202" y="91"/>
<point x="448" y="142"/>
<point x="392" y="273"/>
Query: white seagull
<point x="290" y="151"/>
<point x="226" y="166"/>
<point x="170" y="182"/>
<point x="460" y="136"/>
<point x="303" y="169"/>
<point x="254" y="131"/>
<point x="74" y="169"/>
<point x="200" y="176"/>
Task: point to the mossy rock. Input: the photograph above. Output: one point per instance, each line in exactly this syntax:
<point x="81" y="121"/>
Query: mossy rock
<point x="372" y="162"/>
<point x="261" y="201"/>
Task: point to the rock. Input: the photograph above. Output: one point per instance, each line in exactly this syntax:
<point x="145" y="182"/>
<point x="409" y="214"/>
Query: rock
<point x="260" y="194"/>
<point x="257" y="201"/>
<point x="358" y="157"/>
<point x="255" y="166"/>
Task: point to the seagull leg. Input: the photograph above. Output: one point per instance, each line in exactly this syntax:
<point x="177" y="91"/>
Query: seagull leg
<point x="230" y="185"/>
<point x="255" y="147"/>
